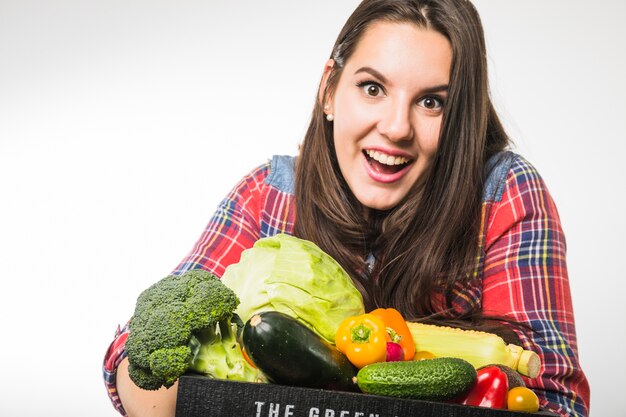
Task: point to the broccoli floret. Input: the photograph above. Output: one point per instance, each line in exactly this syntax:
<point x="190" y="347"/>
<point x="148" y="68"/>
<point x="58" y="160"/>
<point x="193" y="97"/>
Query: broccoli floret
<point x="186" y="323"/>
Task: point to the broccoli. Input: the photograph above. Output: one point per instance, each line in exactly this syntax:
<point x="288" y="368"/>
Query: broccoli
<point x="186" y="323"/>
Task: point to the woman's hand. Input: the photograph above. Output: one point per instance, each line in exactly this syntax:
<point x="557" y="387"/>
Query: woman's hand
<point x="141" y="403"/>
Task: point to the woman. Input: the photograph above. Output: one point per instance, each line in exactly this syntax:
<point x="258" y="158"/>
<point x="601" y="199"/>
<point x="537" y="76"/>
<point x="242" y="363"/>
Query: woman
<point x="403" y="178"/>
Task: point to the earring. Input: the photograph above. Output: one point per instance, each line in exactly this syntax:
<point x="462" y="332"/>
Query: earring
<point x="329" y="116"/>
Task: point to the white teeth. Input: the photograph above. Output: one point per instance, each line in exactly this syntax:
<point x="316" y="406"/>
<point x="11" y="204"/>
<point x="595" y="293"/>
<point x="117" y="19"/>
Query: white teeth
<point x="387" y="159"/>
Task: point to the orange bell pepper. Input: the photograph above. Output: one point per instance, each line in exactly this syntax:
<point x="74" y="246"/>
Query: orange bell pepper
<point x="397" y="330"/>
<point x="363" y="339"/>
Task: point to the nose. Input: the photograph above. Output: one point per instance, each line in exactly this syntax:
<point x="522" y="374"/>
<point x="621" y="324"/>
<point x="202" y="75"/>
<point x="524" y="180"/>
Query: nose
<point x="395" y="121"/>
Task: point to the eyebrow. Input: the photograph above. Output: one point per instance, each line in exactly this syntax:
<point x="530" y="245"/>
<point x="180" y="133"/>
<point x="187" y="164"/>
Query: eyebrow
<point x="373" y="72"/>
<point x="381" y="77"/>
<point x="436" y="88"/>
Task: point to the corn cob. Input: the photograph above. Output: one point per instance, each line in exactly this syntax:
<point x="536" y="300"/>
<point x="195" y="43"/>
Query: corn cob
<point x="476" y="347"/>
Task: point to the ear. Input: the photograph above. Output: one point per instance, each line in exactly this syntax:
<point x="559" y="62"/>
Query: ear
<point x="327" y="70"/>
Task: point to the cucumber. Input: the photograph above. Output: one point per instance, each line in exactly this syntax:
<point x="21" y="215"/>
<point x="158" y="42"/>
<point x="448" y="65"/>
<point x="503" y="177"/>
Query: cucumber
<point x="289" y="353"/>
<point x="438" y="379"/>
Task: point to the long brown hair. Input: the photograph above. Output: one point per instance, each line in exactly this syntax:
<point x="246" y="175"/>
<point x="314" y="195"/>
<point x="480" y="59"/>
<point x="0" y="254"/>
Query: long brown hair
<point x="428" y="243"/>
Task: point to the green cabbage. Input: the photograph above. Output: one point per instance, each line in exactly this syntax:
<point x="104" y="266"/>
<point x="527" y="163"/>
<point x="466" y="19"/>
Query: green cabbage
<point x="294" y="276"/>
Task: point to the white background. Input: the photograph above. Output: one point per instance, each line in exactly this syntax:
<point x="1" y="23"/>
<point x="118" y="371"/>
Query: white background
<point x="123" y="124"/>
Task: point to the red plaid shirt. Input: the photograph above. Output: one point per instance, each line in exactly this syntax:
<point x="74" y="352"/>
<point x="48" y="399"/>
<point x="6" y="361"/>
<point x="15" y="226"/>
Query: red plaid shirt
<point x="522" y="272"/>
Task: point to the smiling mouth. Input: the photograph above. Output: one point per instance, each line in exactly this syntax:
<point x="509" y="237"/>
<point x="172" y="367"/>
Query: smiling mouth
<point x="386" y="164"/>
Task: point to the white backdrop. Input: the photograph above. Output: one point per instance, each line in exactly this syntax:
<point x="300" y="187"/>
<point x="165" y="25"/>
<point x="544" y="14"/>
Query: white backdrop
<point x="123" y="124"/>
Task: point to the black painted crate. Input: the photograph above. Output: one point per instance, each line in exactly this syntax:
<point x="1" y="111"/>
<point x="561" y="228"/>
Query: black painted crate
<point x="204" y="397"/>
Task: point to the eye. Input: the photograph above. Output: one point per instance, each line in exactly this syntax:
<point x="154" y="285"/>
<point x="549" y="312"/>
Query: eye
<point x="371" y="89"/>
<point x="431" y="103"/>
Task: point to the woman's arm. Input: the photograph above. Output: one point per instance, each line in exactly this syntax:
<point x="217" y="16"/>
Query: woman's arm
<point x="234" y="226"/>
<point x="525" y="279"/>
<point x="141" y="403"/>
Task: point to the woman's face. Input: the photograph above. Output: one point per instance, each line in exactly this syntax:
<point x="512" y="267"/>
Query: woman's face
<point x="387" y="109"/>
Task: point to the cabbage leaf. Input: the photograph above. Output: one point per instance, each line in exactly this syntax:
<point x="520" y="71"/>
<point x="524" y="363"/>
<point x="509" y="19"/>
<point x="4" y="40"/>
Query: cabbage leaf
<point x="294" y="276"/>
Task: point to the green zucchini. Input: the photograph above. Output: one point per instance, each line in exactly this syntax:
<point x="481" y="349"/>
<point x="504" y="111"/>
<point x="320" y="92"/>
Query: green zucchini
<point x="289" y="353"/>
<point x="438" y="379"/>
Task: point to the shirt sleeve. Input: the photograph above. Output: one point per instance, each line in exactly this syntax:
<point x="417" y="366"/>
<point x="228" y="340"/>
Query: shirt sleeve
<point x="233" y="227"/>
<point x="525" y="278"/>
